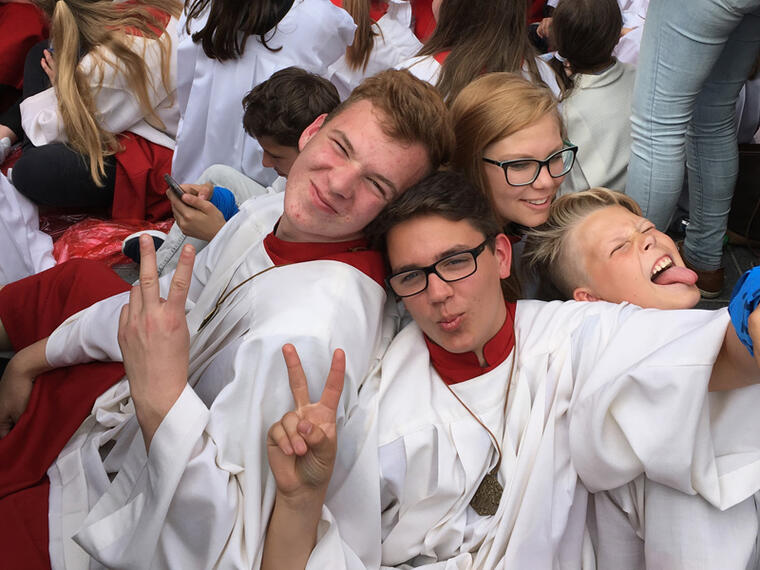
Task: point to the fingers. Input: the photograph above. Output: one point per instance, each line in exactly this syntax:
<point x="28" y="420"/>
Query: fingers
<point x="206" y="191"/>
<point x="181" y="280"/>
<point x="298" y="385"/>
<point x="198" y="203"/>
<point x="286" y="436"/>
<point x="148" y="273"/>
<point x="334" y="384"/>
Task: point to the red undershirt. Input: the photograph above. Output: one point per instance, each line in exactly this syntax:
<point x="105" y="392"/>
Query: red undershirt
<point x="455" y="368"/>
<point x="355" y="253"/>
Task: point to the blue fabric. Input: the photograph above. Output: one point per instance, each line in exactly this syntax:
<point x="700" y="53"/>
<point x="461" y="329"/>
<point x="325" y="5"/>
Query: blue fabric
<point x="744" y="300"/>
<point x="224" y="200"/>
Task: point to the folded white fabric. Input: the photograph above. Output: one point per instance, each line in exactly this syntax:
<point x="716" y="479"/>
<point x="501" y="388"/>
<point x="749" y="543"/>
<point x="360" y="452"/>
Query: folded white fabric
<point x="26" y="250"/>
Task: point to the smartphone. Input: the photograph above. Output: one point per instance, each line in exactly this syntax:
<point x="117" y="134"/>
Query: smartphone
<point x="174" y="186"/>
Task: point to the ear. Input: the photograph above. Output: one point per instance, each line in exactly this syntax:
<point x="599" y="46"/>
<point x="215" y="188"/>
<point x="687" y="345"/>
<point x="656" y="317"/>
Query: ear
<point x="502" y="249"/>
<point x="309" y="132"/>
<point x="584" y="294"/>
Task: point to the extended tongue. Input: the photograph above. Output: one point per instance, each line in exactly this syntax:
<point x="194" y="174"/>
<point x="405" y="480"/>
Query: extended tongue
<point x="674" y="274"/>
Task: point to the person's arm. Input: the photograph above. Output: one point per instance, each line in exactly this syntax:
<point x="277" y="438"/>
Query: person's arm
<point x="154" y="339"/>
<point x="301" y="448"/>
<point x="735" y="367"/>
<point x="17" y="382"/>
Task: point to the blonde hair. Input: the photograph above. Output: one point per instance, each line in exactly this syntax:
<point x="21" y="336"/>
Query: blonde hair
<point x="546" y="247"/>
<point x="78" y="27"/>
<point x="492" y="107"/>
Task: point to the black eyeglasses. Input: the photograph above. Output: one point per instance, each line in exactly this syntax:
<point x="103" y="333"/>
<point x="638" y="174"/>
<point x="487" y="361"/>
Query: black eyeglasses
<point x="450" y="268"/>
<point x="524" y="171"/>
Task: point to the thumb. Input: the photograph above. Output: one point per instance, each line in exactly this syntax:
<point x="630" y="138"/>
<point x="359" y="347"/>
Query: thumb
<point x="317" y="440"/>
<point x="316" y="466"/>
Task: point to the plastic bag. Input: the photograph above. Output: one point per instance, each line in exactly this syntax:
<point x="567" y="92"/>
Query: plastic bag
<point x="101" y="239"/>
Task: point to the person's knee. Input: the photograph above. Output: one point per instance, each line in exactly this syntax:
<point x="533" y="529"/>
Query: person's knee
<point x="216" y="173"/>
<point x="24" y="176"/>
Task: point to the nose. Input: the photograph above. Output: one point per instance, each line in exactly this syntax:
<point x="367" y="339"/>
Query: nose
<point x="266" y="160"/>
<point x="545" y="179"/>
<point x="438" y="290"/>
<point x="648" y="239"/>
<point x="344" y="179"/>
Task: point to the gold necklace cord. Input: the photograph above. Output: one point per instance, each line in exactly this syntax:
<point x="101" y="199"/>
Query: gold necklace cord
<point x="225" y="294"/>
<point x="495" y="470"/>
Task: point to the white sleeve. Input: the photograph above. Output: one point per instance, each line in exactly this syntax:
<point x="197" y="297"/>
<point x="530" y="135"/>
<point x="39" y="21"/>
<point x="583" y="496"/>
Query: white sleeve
<point x="117" y="107"/>
<point x="91" y="334"/>
<point x="641" y="405"/>
<point x="214" y="461"/>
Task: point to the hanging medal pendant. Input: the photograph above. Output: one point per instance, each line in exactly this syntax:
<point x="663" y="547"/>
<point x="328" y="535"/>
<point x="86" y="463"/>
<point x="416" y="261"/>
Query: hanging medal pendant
<point x="486" y="500"/>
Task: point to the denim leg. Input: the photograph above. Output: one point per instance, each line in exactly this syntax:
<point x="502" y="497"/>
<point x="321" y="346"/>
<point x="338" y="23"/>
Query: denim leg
<point x="681" y="43"/>
<point x="711" y="146"/>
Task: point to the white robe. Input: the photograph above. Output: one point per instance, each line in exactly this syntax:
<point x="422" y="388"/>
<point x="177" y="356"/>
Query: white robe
<point x="312" y="35"/>
<point x="202" y="497"/>
<point x="118" y="108"/>
<point x="597" y="115"/>
<point x="395" y="42"/>
<point x="601" y="394"/>
<point x="427" y="68"/>
<point x="26" y="250"/>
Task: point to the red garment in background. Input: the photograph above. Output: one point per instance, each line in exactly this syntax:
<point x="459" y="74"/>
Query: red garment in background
<point x="30" y="309"/>
<point x="536" y="10"/>
<point x="21" y="27"/>
<point x="424" y="21"/>
<point x="139" y="190"/>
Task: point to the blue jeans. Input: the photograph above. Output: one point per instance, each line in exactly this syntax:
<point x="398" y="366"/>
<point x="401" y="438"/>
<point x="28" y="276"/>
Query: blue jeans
<point x="695" y="56"/>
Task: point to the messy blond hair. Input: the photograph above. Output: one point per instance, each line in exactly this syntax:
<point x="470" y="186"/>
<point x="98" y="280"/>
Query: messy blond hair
<point x="413" y="111"/>
<point x="547" y="246"/>
<point x="492" y="107"/>
<point x="78" y="27"/>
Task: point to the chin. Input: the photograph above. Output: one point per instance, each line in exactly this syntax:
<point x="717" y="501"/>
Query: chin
<point x="687" y="300"/>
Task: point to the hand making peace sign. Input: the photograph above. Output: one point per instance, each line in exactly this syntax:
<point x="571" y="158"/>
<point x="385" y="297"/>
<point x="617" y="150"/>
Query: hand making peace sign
<point x="154" y="338"/>
<point x="302" y="445"/>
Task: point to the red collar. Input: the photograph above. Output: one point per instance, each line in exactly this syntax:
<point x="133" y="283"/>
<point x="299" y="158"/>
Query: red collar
<point x="455" y="368"/>
<point x="354" y="253"/>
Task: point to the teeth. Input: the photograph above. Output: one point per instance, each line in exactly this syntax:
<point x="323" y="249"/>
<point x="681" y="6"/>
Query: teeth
<point x="662" y="265"/>
<point x="537" y="202"/>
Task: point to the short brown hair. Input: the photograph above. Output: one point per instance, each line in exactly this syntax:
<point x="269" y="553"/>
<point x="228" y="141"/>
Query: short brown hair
<point x="546" y="247"/>
<point x="445" y="193"/>
<point x="285" y="104"/>
<point x="586" y="31"/>
<point x="414" y="110"/>
<point x="493" y="107"/>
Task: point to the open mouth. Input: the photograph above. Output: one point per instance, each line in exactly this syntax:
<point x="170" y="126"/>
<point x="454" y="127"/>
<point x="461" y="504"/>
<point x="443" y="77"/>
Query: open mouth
<point x="662" y="265"/>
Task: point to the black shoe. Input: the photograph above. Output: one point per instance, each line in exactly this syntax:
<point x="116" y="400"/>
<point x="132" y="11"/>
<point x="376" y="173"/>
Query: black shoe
<point x="131" y="244"/>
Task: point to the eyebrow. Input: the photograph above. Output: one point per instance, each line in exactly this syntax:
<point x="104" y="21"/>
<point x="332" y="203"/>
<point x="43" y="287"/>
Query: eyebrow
<point x="350" y="148"/>
<point x="459" y="248"/>
<point x="523" y="157"/>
